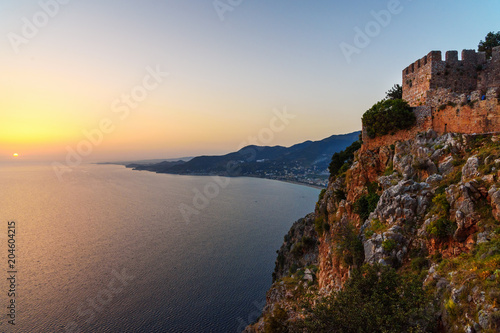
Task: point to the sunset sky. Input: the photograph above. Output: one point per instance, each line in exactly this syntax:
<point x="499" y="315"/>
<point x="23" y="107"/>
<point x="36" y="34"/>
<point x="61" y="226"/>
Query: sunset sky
<point x="68" y="69"/>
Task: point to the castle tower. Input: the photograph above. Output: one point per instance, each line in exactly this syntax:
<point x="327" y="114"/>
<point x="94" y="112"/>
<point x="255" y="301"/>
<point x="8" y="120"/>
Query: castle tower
<point x="429" y="74"/>
<point x="417" y="78"/>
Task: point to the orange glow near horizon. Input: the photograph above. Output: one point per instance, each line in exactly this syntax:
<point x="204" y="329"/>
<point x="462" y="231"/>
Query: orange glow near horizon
<point x="224" y="79"/>
<point x="65" y="82"/>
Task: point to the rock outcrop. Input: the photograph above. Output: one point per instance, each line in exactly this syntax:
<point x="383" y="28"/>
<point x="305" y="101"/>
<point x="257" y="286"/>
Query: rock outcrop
<point x="429" y="206"/>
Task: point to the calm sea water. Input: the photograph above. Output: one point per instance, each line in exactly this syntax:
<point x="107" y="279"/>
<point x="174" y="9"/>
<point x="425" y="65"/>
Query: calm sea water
<point x="107" y="249"/>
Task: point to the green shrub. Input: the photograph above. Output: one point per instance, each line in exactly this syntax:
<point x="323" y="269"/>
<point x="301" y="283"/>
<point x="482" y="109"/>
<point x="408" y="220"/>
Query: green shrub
<point x="437" y="257"/>
<point x="389" y="170"/>
<point x="456" y="177"/>
<point x="280" y="260"/>
<point x="441" y="189"/>
<point x="375" y="299"/>
<point x="396" y="92"/>
<point x="451" y="307"/>
<point x="478" y="141"/>
<point x="441" y="205"/>
<point x="420" y="165"/>
<point x="298" y="249"/>
<point x="365" y="205"/>
<point x="349" y="246"/>
<point x="369" y="233"/>
<point x="276" y="323"/>
<point x="319" y="222"/>
<point x="375" y="227"/>
<point x="339" y="195"/>
<point x="387" y="117"/>
<point x="308" y="241"/>
<point x="442" y="228"/>
<point x="321" y="194"/>
<point x="491" y="40"/>
<point x="486" y="212"/>
<point x="417" y="264"/>
<point x="388" y="245"/>
<point x="341" y="161"/>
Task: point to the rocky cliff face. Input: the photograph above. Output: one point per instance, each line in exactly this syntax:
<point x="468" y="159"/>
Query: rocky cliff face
<point x="429" y="206"/>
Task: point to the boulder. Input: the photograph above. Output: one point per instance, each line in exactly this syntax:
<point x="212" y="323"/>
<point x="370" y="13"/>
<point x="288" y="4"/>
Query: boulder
<point x="470" y="169"/>
<point x="446" y="167"/>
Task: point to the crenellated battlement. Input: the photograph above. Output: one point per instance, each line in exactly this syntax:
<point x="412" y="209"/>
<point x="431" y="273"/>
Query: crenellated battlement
<point x="450" y="95"/>
<point x="417" y="65"/>
<point x="430" y="73"/>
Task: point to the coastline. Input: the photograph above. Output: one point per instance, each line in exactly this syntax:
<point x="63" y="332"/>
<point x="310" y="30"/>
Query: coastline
<point x="319" y="187"/>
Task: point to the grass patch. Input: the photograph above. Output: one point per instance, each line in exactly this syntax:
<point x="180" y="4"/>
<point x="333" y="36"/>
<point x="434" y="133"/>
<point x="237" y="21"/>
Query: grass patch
<point x="419" y="263"/>
<point x="375" y="227"/>
<point x="389" y="170"/>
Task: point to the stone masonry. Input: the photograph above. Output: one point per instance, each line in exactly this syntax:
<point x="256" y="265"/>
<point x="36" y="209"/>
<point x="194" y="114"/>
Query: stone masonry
<point x="461" y="96"/>
<point x="430" y="77"/>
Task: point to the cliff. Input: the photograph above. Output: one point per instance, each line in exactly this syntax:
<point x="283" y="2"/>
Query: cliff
<point x="406" y="240"/>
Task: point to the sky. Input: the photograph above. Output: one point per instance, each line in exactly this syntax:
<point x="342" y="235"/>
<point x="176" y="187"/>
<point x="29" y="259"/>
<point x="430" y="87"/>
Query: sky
<point x="113" y="80"/>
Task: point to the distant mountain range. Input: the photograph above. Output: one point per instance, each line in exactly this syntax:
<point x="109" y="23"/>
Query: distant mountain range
<point x="306" y="162"/>
<point x="148" y="162"/>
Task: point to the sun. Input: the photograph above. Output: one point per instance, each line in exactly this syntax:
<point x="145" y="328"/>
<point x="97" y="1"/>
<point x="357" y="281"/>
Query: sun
<point x="15" y="154"/>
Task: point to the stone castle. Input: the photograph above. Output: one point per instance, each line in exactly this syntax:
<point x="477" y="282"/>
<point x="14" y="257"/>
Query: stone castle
<point x="451" y="95"/>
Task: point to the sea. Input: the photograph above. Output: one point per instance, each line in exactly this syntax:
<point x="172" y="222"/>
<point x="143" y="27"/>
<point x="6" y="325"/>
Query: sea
<point x="110" y="249"/>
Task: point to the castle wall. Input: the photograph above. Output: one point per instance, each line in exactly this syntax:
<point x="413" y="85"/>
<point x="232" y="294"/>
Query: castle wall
<point x="451" y="95"/>
<point x="490" y="76"/>
<point x="473" y="72"/>
<point x="482" y="117"/>
<point x="460" y="76"/>
<point x="417" y="77"/>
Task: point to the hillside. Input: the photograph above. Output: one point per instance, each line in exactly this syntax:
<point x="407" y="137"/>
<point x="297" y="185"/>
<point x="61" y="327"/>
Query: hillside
<point x="406" y="240"/>
<point x="305" y="162"/>
<point x="406" y="237"/>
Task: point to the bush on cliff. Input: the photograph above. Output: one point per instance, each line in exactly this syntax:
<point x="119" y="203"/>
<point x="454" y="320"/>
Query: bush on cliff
<point x="341" y="161"/>
<point x="375" y="299"/>
<point x="441" y="229"/>
<point x="367" y="202"/>
<point x="349" y="246"/>
<point x="491" y="40"/>
<point x="395" y="92"/>
<point x="276" y="322"/>
<point x="387" y="117"/>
